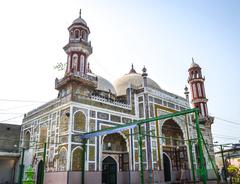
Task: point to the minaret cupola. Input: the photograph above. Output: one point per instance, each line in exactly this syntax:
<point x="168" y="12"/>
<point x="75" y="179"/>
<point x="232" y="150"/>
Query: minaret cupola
<point x="196" y="82"/>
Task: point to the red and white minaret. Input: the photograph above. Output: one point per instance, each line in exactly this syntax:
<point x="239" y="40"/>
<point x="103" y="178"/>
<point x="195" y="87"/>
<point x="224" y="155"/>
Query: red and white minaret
<point x="77" y="71"/>
<point x="78" y="48"/>
<point x="196" y="83"/>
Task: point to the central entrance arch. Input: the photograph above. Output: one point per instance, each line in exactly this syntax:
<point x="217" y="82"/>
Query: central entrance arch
<point x="167" y="168"/>
<point x="109" y="171"/>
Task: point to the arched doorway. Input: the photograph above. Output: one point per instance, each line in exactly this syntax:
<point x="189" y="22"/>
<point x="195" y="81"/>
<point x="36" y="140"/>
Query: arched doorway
<point x="116" y="146"/>
<point x="167" y="167"/>
<point x="109" y="171"/>
<point x="40" y="170"/>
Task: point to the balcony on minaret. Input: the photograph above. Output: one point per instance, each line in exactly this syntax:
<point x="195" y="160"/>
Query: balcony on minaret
<point x="78" y="45"/>
<point x="82" y="79"/>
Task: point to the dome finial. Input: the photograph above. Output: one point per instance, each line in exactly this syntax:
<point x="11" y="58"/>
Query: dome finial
<point x="80" y="13"/>
<point x="144" y="70"/>
<point x="132" y="69"/>
<point x="193" y="60"/>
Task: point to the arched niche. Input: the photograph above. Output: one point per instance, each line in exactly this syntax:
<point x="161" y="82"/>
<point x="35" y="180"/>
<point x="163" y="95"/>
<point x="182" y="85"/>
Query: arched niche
<point x="79" y="121"/>
<point x="77" y="158"/>
<point x="173" y="133"/>
<point x="27" y="136"/>
<point x="114" y="142"/>
<point x="62" y="159"/>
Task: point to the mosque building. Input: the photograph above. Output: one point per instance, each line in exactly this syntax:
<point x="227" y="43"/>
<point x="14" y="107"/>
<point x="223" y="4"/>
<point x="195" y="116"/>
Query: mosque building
<point x="87" y="102"/>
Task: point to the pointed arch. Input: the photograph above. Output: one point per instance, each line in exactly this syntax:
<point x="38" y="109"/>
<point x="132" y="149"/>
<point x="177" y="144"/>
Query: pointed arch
<point x="79" y="121"/>
<point x="173" y="133"/>
<point x="84" y="35"/>
<point x="167" y="163"/>
<point x="27" y="136"/>
<point x="77" y="156"/>
<point x="75" y="62"/>
<point x="82" y="64"/>
<point x="77" y="34"/>
<point x="62" y="159"/>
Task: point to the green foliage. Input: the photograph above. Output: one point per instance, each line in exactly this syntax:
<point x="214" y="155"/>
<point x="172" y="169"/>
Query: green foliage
<point x="60" y="66"/>
<point x="232" y="170"/>
<point x="234" y="173"/>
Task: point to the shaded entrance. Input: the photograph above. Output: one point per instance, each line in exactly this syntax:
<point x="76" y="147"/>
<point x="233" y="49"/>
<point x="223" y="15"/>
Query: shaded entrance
<point x="109" y="171"/>
<point x="40" y="171"/>
<point x="167" y="168"/>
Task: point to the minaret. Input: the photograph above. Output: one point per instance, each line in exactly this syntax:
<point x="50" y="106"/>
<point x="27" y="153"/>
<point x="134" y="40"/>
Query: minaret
<point x="78" y="48"/>
<point x="77" y="72"/>
<point x="196" y="83"/>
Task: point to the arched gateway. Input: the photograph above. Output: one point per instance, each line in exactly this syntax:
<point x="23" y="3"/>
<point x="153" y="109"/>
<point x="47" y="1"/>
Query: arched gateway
<point x="175" y="158"/>
<point x="114" y="157"/>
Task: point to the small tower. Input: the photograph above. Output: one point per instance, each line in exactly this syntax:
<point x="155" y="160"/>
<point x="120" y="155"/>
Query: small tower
<point x="78" y="48"/>
<point x="78" y="79"/>
<point x="196" y="83"/>
<point x="186" y="92"/>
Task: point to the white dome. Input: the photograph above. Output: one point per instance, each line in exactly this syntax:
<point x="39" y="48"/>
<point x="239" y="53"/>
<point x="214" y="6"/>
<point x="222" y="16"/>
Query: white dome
<point x="194" y="65"/>
<point x="132" y="79"/>
<point x="105" y="85"/>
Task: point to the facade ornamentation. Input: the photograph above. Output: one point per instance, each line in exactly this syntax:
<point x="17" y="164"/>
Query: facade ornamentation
<point x="87" y="102"/>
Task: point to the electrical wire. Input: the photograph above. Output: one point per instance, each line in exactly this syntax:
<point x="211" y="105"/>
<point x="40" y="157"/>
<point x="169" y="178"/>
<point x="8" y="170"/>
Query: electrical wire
<point x="25" y="101"/>
<point x="17" y="107"/>
<point x="228" y="121"/>
<point x="11" y="118"/>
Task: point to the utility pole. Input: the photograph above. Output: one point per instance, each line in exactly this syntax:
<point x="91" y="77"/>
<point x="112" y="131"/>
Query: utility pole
<point x="21" y="170"/>
<point x="224" y="166"/>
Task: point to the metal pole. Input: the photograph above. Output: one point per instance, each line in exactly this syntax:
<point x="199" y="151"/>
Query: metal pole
<point x="140" y="153"/>
<point x="191" y="160"/>
<point x="224" y="167"/>
<point x="44" y="160"/>
<point x="190" y="150"/>
<point x="213" y="166"/>
<point x="202" y="165"/>
<point x="21" y="170"/>
<point x="83" y="161"/>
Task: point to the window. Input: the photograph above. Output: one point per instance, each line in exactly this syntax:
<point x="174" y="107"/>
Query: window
<point x="84" y="35"/>
<point x="77" y="33"/>
<point x="75" y="61"/>
<point x="82" y="64"/>
<point x="194" y="91"/>
<point x="141" y="112"/>
<point x="199" y="90"/>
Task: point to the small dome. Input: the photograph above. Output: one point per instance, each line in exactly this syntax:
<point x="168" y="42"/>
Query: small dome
<point x="105" y="85"/>
<point x="194" y="65"/>
<point x="132" y="79"/>
<point x="79" y="20"/>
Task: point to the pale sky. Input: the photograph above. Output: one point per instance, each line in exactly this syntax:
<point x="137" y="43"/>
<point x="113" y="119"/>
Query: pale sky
<point x="163" y="35"/>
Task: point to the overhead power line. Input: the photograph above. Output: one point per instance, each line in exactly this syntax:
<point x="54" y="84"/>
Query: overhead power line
<point x="228" y="121"/>
<point x="11" y="118"/>
<point x="17" y="107"/>
<point x="25" y="101"/>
